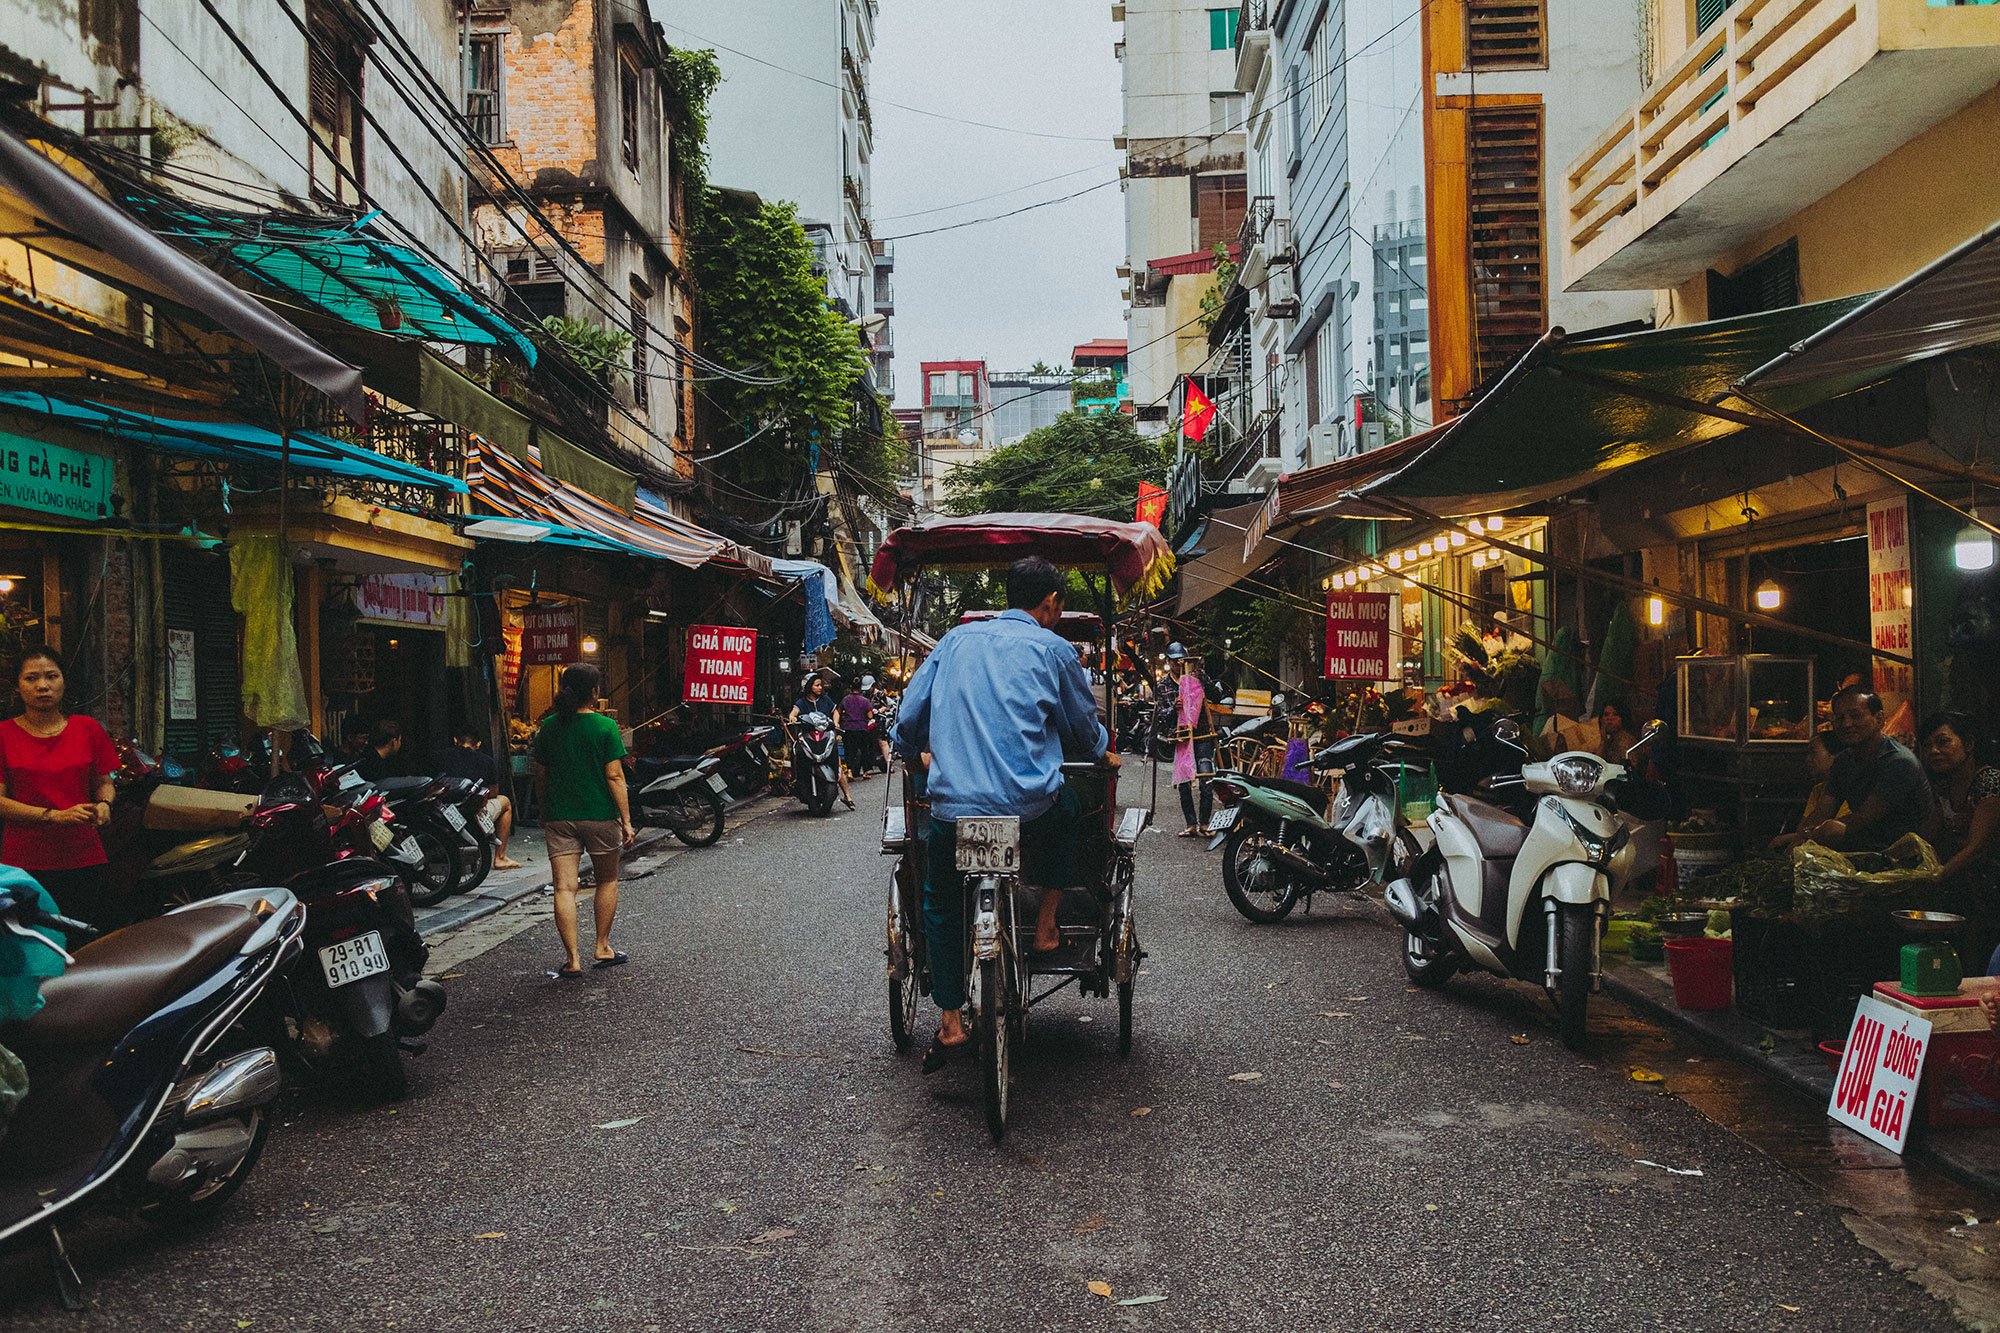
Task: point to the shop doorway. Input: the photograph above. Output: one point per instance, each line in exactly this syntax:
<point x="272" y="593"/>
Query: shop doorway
<point x="409" y="689"/>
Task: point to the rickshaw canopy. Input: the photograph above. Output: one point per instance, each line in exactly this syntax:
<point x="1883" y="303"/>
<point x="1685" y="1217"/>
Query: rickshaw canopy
<point x="1135" y="554"/>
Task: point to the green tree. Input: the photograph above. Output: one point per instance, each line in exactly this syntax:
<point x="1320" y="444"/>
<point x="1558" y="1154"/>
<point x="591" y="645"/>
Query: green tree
<point x="1080" y="464"/>
<point x="764" y="312"/>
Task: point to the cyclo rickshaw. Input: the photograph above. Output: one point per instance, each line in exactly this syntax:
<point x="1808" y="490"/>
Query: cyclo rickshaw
<point x="1100" y="944"/>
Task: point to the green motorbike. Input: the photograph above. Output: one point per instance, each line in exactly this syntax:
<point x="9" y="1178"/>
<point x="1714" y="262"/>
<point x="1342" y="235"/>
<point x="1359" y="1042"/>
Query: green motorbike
<point x="1284" y="841"/>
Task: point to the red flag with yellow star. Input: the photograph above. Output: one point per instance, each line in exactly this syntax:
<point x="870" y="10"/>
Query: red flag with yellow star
<point x="1197" y="411"/>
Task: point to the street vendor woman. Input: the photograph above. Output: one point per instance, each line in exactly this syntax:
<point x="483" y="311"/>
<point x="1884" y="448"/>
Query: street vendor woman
<point x="1879" y="781"/>
<point x="997" y="706"/>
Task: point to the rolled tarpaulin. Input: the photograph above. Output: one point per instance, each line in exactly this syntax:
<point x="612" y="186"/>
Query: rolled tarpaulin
<point x="60" y="198"/>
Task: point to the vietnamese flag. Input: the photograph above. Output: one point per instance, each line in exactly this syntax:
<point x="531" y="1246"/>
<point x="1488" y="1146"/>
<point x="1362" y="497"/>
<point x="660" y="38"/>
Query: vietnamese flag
<point x="1197" y="411"/>
<point x="1152" y="507"/>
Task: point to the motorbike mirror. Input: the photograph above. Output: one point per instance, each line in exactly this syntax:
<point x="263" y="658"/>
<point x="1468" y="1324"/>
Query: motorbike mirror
<point x="1507" y="729"/>
<point x="1647" y="735"/>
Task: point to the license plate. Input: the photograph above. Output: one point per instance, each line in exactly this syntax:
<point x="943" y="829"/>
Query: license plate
<point x="353" y="959"/>
<point x="989" y="844"/>
<point x="348" y="781"/>
<point x="717" y="785"/>
<point x="408" y="852"/>
<point x="379" y="833"/>
<point x="1221" y="819"/>
<point x="454" y="818"/>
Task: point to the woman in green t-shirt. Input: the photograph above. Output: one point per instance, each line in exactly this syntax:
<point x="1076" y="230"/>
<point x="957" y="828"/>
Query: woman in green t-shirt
<point x="580" y="781"/>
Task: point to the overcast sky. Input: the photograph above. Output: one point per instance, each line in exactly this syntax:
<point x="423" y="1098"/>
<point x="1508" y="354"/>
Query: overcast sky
<point x="1025" y="288"/>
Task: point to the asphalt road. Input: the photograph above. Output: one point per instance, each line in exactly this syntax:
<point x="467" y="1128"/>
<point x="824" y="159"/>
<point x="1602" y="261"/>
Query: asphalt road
<point x="721" y="1137"/>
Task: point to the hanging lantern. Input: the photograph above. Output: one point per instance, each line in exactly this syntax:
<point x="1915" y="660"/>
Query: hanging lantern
<point x="1395" y="560"/>
<point x="1972" y="549"/>
<point x="1423" y="548"/>
<point x="1769" y="596"/>
<point x="1479" y="559"/>
<point x="1457" y="538"/>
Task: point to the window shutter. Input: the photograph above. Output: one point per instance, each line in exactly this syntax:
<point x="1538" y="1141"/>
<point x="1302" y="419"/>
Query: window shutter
<point x="1706" y="12"/>
<point x="1509" y="34"/>
<point x="1510" y="308"/>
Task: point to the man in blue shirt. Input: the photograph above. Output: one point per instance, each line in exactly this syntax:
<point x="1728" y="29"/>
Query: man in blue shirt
<point x="995" y="707"/>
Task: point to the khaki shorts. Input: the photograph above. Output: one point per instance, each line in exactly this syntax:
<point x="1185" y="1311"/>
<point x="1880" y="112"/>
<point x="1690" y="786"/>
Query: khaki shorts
<point x="574" y="837"/>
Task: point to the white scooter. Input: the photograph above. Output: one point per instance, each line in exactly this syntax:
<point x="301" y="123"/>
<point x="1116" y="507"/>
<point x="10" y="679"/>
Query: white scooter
<point x="1519" y="899"/>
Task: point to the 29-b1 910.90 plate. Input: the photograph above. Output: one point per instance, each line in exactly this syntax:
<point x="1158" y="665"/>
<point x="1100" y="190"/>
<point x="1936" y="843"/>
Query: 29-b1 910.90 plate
<point x="989" y="845"/>
<point x="353" y="958"/>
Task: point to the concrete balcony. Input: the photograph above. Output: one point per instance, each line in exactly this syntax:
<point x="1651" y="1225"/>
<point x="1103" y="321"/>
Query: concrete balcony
<point x="885" y="298"/>
<point x="1776" y="105"/>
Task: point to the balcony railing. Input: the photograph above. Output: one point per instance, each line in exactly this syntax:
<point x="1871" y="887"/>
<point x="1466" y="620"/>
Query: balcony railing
<point x="1253" y="14"/>
<point x="885" y="297"/>
<point x="1808" y="69"/>
<point x="1256" y="219"/>
<point x="851" y="187"/>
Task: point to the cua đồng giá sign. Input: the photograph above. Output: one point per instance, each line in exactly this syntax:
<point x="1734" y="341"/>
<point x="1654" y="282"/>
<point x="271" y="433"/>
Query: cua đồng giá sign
<point x="1357" y="635"/>
<point x="1876" y="1093"/>
<point x="721" y="665"/>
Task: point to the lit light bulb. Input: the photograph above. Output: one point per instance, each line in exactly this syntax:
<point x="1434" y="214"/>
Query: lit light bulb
<point x="1479" y="559"/>
<point x="1457" y="538"/>
<point x="1410" y="554"/>
<point x="1656" y="611"/>
<point x="1474" y="525"/>
<point x="1909" y="595"/>
<point x="1972" y="549"/>
<point x="1769" y="596"/>
<point x="6" y="587"/>
<point x="1423" y="548"/>
<point x="590" y="645"/>
<point x="1395" y="560"/>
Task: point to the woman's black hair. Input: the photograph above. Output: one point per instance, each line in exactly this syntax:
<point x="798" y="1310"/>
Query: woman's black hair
<point x="30" y="654"/>
<point x="1964" y="725"/>
<point x="577" y="691"/>
<point x="1624" y="713"/>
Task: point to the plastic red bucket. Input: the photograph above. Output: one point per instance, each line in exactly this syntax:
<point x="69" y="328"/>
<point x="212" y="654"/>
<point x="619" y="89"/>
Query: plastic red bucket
<point x="1704" y="973"/>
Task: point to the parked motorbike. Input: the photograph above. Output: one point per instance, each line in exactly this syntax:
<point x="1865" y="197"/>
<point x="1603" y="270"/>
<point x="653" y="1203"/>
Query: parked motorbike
<point x="1284" y="841"/>
<point x="1523" y="894"/>
<point x="137" y="1086"/>
<point x="815" y="753"/>
<point x="362" y="1001"/>
<point x="745" y="760"/>
<point x="425" y="816"/>
<point x="169" y="844"/>
<point x="684" y="793"/>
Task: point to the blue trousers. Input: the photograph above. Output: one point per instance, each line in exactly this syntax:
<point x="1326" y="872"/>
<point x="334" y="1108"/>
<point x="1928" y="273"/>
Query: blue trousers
<point x="1048" y="860"/>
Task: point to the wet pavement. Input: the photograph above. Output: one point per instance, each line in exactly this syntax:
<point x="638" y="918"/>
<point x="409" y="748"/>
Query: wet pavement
<point x="720" y="1136"/>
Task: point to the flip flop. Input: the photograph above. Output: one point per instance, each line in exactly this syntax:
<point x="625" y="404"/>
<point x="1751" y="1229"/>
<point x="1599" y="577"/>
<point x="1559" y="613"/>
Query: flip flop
<point x="615" y="960"/>
<point x="939" y="1055"/>
<point x="1189" y="833"/>
<point x="567" y="973"/>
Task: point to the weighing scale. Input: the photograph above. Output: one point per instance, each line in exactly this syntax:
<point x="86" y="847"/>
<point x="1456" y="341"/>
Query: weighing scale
<point x="1930" y="965"/>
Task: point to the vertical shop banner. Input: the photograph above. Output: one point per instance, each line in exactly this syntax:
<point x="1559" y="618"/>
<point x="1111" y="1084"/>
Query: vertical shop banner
<point x="721" y="665"/>
<point x="1889" y="593"/>
<point x="510" y="665"/>
<point x="181" y="704"/>
<point x="549" y="637"/>
<point x="1357" y="635"/>
<point x="1876" y="1093"/>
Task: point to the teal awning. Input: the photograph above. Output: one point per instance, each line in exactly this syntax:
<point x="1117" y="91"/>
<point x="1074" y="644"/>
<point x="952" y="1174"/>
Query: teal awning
<point x="229" y="441"/>
<point x="344" y="268"/>
<point x="1558" y="420"/>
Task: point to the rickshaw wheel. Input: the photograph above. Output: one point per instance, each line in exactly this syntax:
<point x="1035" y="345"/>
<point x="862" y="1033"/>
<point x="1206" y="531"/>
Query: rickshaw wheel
<point x="994" y="1039"/>
<point x="1124" y="1018"/>
<point x="902" y="1013"/>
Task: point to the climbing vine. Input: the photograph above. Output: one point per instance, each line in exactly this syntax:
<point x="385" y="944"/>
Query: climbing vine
<point x="691" y="78"/>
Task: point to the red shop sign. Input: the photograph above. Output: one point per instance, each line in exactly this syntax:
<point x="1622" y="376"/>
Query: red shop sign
<point x="549" y="637"/>
<point x="1357" y="635"/>
<point x="721" y="664"/>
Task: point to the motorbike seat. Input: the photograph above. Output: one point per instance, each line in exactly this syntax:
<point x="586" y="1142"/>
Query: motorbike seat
<point x="1349" y="751"/>
<point x="395" y="785"/>
<point x="1304" y="791"/>
<point x="1498" y="833"/>
<point x="124" y="977"/>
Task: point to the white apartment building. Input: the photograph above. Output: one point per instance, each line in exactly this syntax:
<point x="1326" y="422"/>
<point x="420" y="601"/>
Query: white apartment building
<point x="791" y="121"/>
<point x="1183" y="184"/>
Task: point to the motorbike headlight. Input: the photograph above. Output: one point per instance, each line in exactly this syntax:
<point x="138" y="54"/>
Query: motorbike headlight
<point x="1576" y="774"/>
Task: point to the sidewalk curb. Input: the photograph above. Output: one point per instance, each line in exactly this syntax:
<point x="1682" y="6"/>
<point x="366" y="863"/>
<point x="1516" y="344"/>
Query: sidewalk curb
<point x="1966" y="1154"/>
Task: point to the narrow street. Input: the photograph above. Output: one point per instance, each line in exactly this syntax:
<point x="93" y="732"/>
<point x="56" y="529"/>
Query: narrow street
<point x="721" y="1137"/>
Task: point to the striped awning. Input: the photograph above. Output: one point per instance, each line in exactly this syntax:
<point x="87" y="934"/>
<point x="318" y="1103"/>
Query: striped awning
<point x="507" y="487"/>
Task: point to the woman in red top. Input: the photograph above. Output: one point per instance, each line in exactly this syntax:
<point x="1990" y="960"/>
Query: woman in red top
<point x="55" y="791"/>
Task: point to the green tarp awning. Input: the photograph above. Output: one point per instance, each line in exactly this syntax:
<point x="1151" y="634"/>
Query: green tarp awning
<point x="1544" y="431"/>
<point x="344" y="268"/>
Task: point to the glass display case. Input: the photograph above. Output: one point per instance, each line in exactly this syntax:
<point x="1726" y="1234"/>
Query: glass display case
<point x="1755" y="699"/>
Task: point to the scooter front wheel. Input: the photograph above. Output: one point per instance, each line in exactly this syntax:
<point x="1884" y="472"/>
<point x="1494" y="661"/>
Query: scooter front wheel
<point x="1572" y="997"/>
<point x="1425" y="963"/>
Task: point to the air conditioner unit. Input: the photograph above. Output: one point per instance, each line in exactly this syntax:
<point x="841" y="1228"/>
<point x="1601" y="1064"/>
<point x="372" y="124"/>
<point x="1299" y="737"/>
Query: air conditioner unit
<point x="1373" y="435"/>
<point x="1281" y="293"/>
<point x="1322" y="443"/>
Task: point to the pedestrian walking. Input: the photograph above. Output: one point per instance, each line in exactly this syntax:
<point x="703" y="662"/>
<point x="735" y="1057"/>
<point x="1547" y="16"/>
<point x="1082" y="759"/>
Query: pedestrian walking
<point x="56" y="791"/>
<point x="857" y="738"/>
<point x="1194" y="741"/>
<point x="580" y="786"/>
